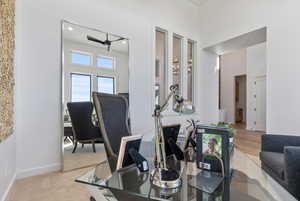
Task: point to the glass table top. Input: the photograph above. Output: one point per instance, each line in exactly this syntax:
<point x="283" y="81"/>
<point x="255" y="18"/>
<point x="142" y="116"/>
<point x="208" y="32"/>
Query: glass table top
<point x="248" y="182"/>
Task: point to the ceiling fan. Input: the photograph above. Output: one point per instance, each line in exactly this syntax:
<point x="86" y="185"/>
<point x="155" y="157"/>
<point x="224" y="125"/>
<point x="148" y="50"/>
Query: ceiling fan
<point x="105" y="42"/>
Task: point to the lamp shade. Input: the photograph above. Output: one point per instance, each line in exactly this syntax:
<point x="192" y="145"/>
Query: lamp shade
<point x="184" y="107"/>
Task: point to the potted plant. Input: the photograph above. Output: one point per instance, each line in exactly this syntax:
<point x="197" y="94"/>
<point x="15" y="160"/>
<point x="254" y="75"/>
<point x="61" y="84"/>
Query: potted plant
<point x="231" y="129"/>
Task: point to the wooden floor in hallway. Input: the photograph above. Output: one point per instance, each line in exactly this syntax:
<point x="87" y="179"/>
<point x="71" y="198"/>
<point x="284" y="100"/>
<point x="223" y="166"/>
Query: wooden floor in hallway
<point x="248" y="141"/>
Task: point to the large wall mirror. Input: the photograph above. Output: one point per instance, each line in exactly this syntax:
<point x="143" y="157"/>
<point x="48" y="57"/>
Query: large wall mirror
<point x="92" y="61"/>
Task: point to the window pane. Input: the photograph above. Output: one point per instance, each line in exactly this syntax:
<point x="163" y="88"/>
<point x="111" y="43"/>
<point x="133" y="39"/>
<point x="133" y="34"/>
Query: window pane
<point x="160" y="66"/>
<point x="106" y="85"/>
<point x="81" y="59"/>
<point x="176" y="68"/>
<point x="81" y="88"/>
<point x="105" y="62"/>
<point x="190" y="68"/>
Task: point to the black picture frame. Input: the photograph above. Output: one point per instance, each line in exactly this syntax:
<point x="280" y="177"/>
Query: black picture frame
<point x="215" y="164"/>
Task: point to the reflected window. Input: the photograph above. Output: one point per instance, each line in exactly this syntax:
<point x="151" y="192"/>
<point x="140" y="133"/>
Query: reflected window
<point x="104" y="62"/>
<point x="81" y="88"/>
<point x="177" y="60"/>
<point x="160" y="65"/>
<point x="79" y="58"/>
<point x="190" y="69"/>
<point x="106" y="85"/>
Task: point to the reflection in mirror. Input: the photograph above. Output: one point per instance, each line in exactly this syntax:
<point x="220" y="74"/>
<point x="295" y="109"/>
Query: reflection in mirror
<point x="92" y="61"/>
<point x="177" y="60"/>
<point x="190" y="69"/>
<point x="160" y="66"/>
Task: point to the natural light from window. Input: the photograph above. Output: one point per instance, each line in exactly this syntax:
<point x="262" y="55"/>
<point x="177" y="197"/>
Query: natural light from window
<point x="106" y="85"/>
<point x="81" y="59"/>
<point x="81" y="88"/>
<point x="105" y="62"/>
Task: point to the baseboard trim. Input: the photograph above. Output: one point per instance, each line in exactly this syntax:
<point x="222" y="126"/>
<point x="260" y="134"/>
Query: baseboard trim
<point x="9" y="188"/>
<point x="38" y="171"/>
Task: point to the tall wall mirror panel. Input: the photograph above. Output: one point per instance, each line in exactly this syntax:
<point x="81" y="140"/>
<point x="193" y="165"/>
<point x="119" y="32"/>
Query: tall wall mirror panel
<point x="190" y="69"/>
<point x="181" y="53"/>
<point x="161" y="65"/>
<point x="93" y="61"/>
<point x="177" y="60"/>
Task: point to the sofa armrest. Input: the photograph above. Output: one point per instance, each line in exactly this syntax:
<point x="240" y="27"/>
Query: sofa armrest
<point x="292" y="169"/>
<point x="276" y="143"/>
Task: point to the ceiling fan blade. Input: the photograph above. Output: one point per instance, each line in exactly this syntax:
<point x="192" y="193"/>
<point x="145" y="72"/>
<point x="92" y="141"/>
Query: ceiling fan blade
<point x="90" y="38"/>
<point x="117" y="40"/>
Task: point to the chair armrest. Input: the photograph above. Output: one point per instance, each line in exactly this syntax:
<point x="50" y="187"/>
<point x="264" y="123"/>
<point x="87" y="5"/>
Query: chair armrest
<point x="292" y="169"/>
<point x="276" y="143"/>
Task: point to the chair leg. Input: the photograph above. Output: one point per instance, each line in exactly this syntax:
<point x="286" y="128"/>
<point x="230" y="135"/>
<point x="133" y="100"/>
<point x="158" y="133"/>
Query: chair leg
<point x="74" y="149"/>
<point x="94" y="148"/>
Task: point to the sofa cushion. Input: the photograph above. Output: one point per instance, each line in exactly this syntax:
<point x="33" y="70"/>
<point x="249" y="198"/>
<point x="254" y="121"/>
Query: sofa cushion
<point x="275" y="161"/>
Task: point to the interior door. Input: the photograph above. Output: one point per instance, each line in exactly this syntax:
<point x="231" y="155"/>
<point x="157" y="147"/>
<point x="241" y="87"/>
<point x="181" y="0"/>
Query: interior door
<point x="260" y="94"/>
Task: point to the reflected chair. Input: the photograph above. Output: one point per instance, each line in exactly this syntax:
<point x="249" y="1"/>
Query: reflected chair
<point x="84" y="130"/>
<point x="112" y="113"/>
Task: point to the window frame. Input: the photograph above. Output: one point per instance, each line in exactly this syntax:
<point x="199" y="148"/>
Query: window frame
<point x="103" y="76"/>
<point x="106" y="57"/>
<point x="84" y="54"/>
<point x="71" y="85"/>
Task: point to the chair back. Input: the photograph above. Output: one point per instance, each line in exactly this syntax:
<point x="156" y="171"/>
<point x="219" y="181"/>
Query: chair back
<point x="81" y="118"/>
<point x="112" y="112"/>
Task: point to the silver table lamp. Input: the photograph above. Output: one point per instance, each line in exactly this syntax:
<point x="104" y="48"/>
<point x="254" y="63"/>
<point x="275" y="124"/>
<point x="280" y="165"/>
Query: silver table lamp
<point x="162" y="176"/>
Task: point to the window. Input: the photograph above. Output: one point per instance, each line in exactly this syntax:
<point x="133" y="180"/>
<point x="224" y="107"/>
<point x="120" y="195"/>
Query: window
<point x="177" y="58"/>
<point x="190" y="69"/>
<point x="105" y="62"/>
<point x="106" y="85"/>
<point x="81" y="87"/>
<point x="79" y="58"/>
<point x="161" y="44"/>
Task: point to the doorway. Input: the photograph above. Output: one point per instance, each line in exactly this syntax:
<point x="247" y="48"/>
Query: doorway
<point x="240" y="99"/>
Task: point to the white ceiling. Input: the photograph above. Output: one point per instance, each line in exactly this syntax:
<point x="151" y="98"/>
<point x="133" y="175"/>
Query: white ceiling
<point x="239" y="42"/>
<point x="78" y="34"/>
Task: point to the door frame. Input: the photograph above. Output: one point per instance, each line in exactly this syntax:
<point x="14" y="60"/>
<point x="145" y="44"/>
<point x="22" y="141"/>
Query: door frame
<point x="235" y="96"/>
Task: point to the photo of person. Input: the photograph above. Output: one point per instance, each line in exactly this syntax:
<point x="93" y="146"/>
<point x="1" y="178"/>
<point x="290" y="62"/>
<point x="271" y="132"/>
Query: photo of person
<point x="212" y="145"/>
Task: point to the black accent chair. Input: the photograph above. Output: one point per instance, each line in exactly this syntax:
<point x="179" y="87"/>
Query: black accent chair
<point x="112" y="113"/>
<point x="83" y="128"/>
<point x="280" y="158"/>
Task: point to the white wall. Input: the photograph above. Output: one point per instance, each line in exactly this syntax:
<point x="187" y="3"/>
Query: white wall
<point x="7" y="165"/>
<point x="120" y="73"/>
<point x="256" y="67"/>
<point x="39" y="36"/>
<point x="231" y="65"/>
<point x="8" y="147"/>
<point x="222" y="20"/>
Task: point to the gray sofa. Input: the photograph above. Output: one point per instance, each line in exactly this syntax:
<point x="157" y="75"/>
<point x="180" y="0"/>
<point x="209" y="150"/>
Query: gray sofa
<point x="280" y="158"/>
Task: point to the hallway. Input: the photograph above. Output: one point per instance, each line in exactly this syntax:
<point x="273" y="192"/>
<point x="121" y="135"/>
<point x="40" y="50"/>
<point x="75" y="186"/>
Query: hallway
<point x="248" y="142"/>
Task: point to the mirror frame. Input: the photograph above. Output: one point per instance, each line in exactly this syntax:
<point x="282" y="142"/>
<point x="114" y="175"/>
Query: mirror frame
<point x="61" y="83"/>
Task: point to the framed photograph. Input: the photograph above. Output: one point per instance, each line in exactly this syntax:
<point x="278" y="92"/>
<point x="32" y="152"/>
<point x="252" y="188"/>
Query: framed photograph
<point x="212" y="148"/>
<point x="211" y="145"/>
